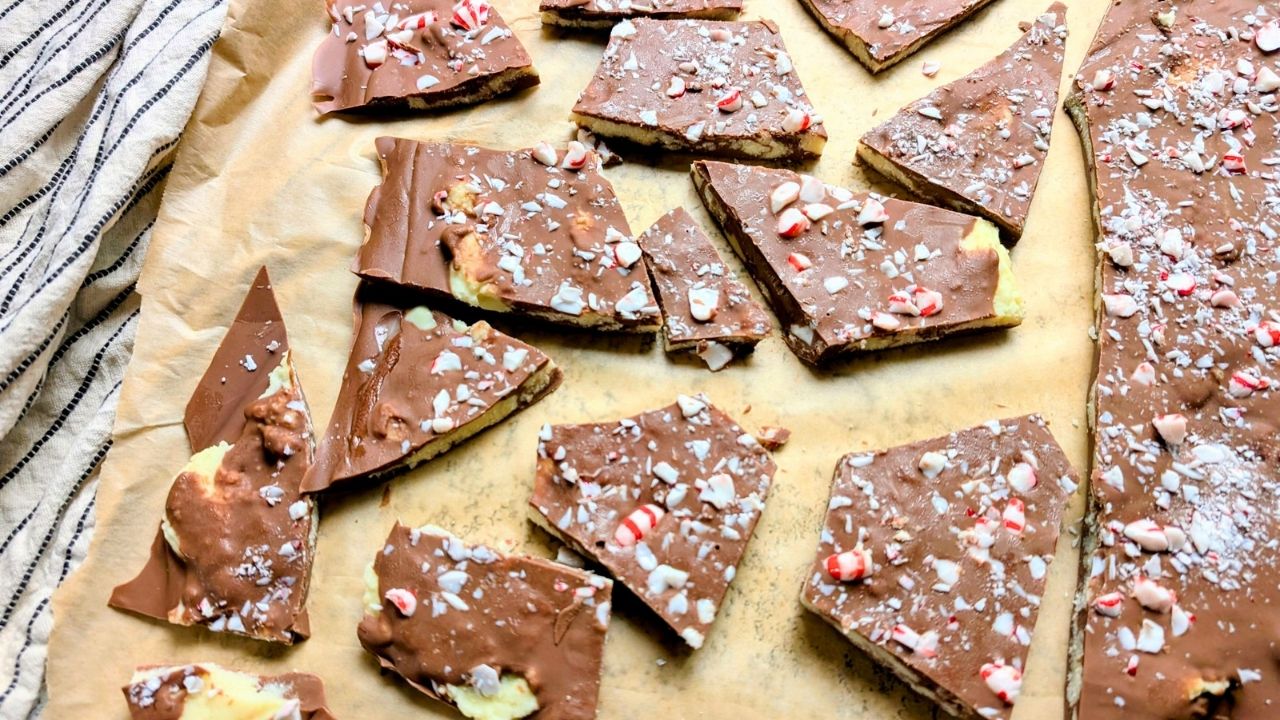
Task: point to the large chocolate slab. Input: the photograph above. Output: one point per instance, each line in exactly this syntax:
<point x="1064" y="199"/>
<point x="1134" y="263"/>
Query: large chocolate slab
<point x="205" y="691"/>
<point x="848" y="272"/>
<point x="665" y="500"/>
<point x="1176" y="105"/>
<point x="978" y="144"/>
<point x="493" y="634"/>
<point x="235" y="546"/>
<point x="933" y="558"/>
<point x="880" y="34"/>
<point x="537" y="231"/>
<point x="417" y="383"/>
<point x="416" y="54"/>
<point x="715" y="88"/>
<point x="604" y="14"/>
<point x="704" y="306"/>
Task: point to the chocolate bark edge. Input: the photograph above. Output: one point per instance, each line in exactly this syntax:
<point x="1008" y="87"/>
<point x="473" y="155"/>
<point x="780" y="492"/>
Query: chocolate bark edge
<point x="571" y="17"/>
<point x="877" y="62"/>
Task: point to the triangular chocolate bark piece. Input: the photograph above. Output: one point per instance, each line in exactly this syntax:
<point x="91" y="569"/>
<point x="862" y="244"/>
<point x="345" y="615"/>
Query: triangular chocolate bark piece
<point x="978" y="144"/>
<point x="851" y="272"/>
<point x="666" y="501"/>
<point x="237" y="540"/>
<point x="880" y="33"/>
<point x="495" y="635"/>
<point x="417" y="383"/>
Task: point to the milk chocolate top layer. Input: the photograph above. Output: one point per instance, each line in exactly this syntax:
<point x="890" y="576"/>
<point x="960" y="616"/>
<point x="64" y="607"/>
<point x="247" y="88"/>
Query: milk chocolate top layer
<point x="1177" y="104"/>
<point x="510" y="230"/>
<point x="437" y="52"/>
<point x="688" y="478"/>
<point x="889" y="30"/>
<point x="244" y="534"/>
<point x="830" y="286"/>
<point x="417" y="379"/>
<point x="708" y="84"/>
<point x="480" y="616"/>
<point x="979" y="143"/>
<point x="604" y="13"/>
<point x="164" y="696"/>
<point x="687" y="269"/>
<point x="239" y="369"/>
<point x="960" y="530"/>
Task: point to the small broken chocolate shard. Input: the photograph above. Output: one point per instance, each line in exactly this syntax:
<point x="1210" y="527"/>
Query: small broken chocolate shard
<point x="879" y="34"/>
<point x="933" y="558"/>
<point x="205" y="691"/>
<point x="704" y="306"/>
<point x="497" y="636"/>
<point x="235" y="546"/>
<point x="419" y="54"/>
<point x="665" y="500"/>
<point x="535" y="232"/>
<point x="715" y="88"/>
<point x="848" y="272"/>
<point x="417" y="383"/>
<point x="978" y="144"/>
<point x="604" y="14"/>
<point x="1176" y="108"/>
<point x="773" y="437"/>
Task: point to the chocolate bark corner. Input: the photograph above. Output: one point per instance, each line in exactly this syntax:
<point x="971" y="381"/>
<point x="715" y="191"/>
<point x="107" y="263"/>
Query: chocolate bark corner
<point x="491" y="634"/>
<point x="705" y="308"/>
<point x="880" y="34"/>
<point x="604" y="14"/>
<point x="852" y="272"/>
<point x="666" y="501"/>
<point x="978" y="144"/>
<point x="418" y="383"/>
<point x="1176" y="108"/>
<point x="235" y="546"/>
<point x="206" y="691"/>
<point x="417" y="55"/>
<point x="715" y="88"/>
<point x="534" y="232"/>
<point x="933" y="558"/>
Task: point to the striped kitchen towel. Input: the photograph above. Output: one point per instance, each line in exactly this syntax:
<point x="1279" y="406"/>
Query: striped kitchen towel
<point x="93" y="97"/>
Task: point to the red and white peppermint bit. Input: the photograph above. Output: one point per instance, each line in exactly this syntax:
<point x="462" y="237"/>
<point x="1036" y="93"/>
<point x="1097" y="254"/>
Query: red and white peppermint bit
<point x="885" y="321"/>
<point x="1172" y="427"/>
<point x="1131" y="668"/>
<point x="1180" y="621"/>
<point x="1267" y="37"/>
<point x="872" y="213"/>
<point x="636" y="525"/>
<point x="1104" y="79"/>
<point x="1015" y="515"/>
<point x="1111" y="604"/>
<point x="544" y="153"/>
<point x="929" y="69"/>
<point x="799" y="261"/>
<point x="730" y="101"/>
<point x="783" y="195"/>
<point x="1022" y="477"/>
<point x="1233" y="162"/>
<point x="419" y="21"/>
<point x="1144" y="374"/>
<point x="626" y="253"/>
<point x="1153" y="538"/>
<point x="796" y="121"/>
<point x="925" y="644"/>
<point x="850" y="565"/>
<point x="1225" y="298"/>
<point x="929" y="302"/>
<point x="1243" y="384"/>
<point x="404" y="601"/>
<point x="1154" y="596"/>
<point x="375" y="53"/>
<point x="1267" y="333"/>
<point x="1003" y="680"/>
<point x="812" y="190"/>
<point x="703" y="303"/>
<point x="1120" y="304"/>
<point x="792" y="223"/>
<point x="901" y="303"/>
<point x="1182" y="283"/>
<point x="676" y="87"/>
<point x="575" y="158"/>
<point x="471" y="15"/>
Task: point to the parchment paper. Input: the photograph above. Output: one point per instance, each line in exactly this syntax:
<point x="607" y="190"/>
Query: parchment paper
<point x="260" y="180"/>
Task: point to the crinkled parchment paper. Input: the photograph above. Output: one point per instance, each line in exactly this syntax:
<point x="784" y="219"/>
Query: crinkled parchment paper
<point x="261" y="180"/>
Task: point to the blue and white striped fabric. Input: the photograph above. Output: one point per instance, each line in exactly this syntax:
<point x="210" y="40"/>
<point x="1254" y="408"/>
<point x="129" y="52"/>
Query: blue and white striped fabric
<point x="93" y="97"/>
